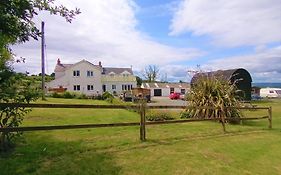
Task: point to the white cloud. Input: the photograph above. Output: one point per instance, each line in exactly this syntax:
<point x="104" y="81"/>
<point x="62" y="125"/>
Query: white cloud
<point x="264" y="66"/>
<point x="104" y="31"/>
<point x="230" y="23"/>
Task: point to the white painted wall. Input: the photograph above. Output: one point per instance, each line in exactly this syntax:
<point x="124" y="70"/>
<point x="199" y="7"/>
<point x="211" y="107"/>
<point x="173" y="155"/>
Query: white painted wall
<point x="118" y="86"/>
<point x="166" y="91"/>
<point x="67" y="80"/>
<point x="83" y="80"/>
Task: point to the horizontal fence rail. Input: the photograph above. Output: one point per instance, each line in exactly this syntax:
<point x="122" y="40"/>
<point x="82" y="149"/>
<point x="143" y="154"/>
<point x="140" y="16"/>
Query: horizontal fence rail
<point x="141" y="108"/>
<point x="105" y="125"/>
<point x="33" y="105"/>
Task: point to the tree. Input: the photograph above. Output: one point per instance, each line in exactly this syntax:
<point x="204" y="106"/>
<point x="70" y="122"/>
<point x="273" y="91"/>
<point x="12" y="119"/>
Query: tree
<point x="17" y="26"/>
<point x="139" y="81"/>
<point x="151" y="73"/>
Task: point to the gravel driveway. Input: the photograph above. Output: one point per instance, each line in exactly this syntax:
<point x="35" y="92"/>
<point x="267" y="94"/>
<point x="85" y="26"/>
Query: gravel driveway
<point x="166" y="101"/>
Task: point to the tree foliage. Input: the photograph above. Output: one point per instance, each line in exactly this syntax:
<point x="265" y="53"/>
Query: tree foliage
<point x="151" y="73"/>
<point x="14" y="88"/>
<point x="17" y="26"/>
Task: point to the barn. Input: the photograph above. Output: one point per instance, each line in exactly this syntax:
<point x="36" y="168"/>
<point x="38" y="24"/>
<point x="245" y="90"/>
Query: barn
<point x="240" y="77"/>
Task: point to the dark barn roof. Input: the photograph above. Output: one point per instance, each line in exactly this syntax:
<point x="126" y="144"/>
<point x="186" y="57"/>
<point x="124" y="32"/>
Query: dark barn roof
<point x="240" y="77"/>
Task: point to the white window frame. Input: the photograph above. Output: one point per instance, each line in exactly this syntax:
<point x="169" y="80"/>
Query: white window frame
<point x="76" y="87"/>
<point x="76" y="73"/>
<point x="90" y="87"/>
<point x="90" y="73"/>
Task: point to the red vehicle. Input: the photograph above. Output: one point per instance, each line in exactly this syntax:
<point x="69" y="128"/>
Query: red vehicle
<point x="174" y="96"/>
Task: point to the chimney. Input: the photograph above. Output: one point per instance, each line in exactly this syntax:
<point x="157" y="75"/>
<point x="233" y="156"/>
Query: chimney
<point x="58" y="61"/>
<point x="100" y="64"/>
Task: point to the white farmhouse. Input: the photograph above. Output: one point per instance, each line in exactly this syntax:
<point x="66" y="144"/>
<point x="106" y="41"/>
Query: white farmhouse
<point x="90" y="79"/>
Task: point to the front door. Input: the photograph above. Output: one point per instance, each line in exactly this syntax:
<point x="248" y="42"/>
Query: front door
<point x="104" y="88"/>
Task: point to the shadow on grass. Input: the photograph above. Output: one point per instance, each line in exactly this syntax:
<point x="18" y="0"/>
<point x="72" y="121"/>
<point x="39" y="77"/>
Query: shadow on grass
<point x="43" y="155"/>
<point x="173" y="140"/>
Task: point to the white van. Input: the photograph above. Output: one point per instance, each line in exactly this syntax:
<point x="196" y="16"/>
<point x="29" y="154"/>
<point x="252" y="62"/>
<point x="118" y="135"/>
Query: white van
<point x="270" y="92"/>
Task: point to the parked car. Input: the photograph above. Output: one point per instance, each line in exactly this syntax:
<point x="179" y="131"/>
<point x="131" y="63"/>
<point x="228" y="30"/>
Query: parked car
<point x="256" y="97"/>
<point x="182" y="96"/>
<point x="174" y="96"/>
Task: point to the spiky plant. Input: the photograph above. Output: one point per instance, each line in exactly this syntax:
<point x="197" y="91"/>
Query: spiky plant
<point x="214" y="92"/>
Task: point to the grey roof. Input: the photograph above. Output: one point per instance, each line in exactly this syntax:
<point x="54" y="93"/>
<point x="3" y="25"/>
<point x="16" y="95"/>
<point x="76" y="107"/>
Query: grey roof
<point x="62" y="67"/>
<point x="107" y="70"/>
<point x="166" y="85"/>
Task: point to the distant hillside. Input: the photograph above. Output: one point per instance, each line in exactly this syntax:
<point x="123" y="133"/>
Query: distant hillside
<point x="264" y="85"/>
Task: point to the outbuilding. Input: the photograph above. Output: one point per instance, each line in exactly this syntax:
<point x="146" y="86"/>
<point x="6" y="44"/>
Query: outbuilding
<point x="240" y="77"/>
<point x="165" y="89"/>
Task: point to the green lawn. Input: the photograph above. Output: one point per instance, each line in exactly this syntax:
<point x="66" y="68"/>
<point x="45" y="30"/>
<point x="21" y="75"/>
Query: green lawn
<point x="190" y="148"/>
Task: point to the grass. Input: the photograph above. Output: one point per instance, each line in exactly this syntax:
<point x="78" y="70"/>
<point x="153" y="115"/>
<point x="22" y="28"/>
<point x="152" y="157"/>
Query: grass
<point x="191" y="148"/>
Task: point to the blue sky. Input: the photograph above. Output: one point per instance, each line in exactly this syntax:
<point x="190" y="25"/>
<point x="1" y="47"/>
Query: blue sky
<point x="174" y="35"/>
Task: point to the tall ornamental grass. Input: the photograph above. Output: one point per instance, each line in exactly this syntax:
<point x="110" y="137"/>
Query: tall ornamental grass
<point x="214" y="92"/>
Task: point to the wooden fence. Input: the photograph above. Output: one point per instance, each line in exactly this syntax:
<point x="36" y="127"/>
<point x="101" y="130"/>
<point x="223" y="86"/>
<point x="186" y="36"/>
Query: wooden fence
<point x="141" y="108"/>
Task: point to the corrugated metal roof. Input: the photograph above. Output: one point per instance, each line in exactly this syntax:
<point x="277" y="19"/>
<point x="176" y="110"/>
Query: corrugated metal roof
<point x="224" y="74"/>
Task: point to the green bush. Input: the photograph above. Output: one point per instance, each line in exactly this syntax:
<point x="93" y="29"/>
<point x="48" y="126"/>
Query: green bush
<point x="56" y="95"/>
<point x="68" y="95"/>
<point x="107" y="96"/>
<point x="185" y="114"/>
<point x="81" y="96"/>
<point x="159" y="116"/>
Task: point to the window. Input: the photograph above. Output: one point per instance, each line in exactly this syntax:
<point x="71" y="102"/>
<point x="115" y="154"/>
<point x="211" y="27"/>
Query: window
<point x="130" y="86"/>
<point x="90" y="87"/>
<point x="271" y="92"/>
<point x="123" y="87"/>
<point x="76" y="73"/>
<point x="113" y="87"/>
<point x="172" y="90"/>
<point x="182" y="91"/>
<point x="90" y="73"/>
<point x="76" y="87"/>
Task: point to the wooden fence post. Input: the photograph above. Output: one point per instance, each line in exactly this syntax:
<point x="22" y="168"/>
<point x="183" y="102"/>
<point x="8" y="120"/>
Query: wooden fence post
<point x="142" y="121"/>
<point x="223" y="119"/>
<point x="270" y="117"/>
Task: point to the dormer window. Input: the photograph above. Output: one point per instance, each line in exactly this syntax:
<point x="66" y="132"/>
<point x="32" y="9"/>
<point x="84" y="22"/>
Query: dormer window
<point x="76" y="73"/>
<point x="111" y="74"/>
<point x="90" y="73"/>
<point x="125" y="73"/>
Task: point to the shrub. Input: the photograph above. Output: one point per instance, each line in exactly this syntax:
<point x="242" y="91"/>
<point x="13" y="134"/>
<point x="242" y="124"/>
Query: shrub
<point x="185" y="114"/>
<point x="68" y="95"/>
<point x="81" y="96"/>
<point x="14" y="89"/>
<point x="213" y="92"/>
<point x="159" y="116"/>
<point x="106" y="95"/>
<point x="56" y="95"/>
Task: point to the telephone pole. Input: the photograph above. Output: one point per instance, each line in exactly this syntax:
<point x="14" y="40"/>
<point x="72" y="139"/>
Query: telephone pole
<point x="43" y="59"/>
